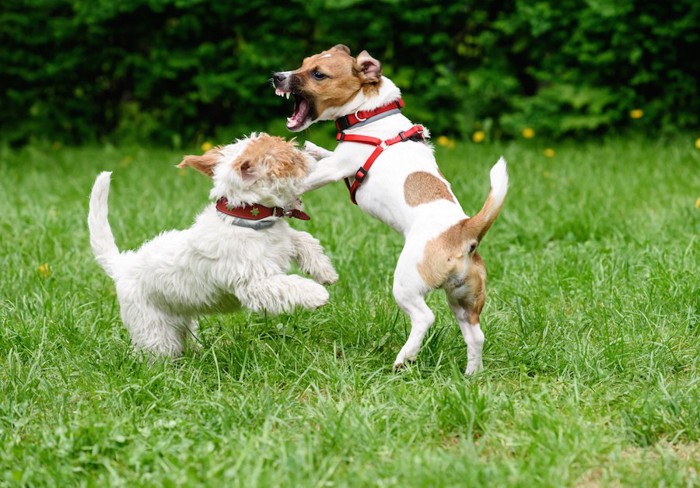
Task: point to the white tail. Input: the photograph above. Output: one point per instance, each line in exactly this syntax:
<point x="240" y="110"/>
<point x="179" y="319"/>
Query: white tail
<point x="480" y="223"/>
<point x="101" y="237"/>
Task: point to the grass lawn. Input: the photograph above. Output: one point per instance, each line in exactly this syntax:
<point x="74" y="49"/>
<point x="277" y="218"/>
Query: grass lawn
<point x="592" y="353"/>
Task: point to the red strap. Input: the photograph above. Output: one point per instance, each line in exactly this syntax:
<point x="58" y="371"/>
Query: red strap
<point x="343" y="123"/>
<point x="415" y="132"/>
<point x="257" y="212"/>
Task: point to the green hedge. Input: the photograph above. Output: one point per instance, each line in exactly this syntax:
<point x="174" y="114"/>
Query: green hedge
<point x="176" y="71"/>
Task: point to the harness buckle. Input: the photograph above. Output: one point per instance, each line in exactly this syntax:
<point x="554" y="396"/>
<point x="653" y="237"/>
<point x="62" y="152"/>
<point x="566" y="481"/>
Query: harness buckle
<point x="360" y="175"/>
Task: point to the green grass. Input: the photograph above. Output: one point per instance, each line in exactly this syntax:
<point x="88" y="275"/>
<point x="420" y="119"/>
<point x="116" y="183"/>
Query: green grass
<point x="592" y="354"/>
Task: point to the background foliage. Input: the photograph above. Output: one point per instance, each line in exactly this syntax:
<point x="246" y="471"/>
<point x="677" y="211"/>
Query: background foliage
<point x="177" y="71"/>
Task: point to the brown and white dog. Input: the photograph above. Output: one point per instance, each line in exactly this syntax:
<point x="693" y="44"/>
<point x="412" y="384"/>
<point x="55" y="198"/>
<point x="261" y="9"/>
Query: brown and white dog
<point x="404" y="188"/>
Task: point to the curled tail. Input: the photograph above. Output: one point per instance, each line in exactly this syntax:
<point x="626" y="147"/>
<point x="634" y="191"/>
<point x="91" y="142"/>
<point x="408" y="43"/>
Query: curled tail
<point x="479" y="224"/>
<point x="101" y="237"/>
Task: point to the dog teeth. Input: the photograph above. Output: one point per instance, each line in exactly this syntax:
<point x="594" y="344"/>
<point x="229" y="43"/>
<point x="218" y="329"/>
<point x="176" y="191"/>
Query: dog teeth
<point x="282" y="93"/>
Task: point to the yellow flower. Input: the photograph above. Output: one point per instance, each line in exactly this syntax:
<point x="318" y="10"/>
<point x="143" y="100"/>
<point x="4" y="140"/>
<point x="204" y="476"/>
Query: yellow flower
<point x="549" y="152"/>
<point x="206" y="146"/>
<point x="697" y="203"/>
<point x="637" y="113"/>
<point x="697" y="143"/>
<point x="528" y="132"/>
<point x="478" y="136"/>
<point x="443" y="140"/>
<point x="44" y="270"/>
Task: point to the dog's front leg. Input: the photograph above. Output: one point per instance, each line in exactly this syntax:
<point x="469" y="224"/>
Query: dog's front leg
<point x="328" y="170"/>
<point x="282" y="293"/>
<point x="311" y="259"/>
<point x="316" y="152"/>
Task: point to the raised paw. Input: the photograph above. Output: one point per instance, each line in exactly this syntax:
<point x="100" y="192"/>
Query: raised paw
<point x="315" y="151"/>
<point x="314" y="296"/>
<point x="326" y="275"/>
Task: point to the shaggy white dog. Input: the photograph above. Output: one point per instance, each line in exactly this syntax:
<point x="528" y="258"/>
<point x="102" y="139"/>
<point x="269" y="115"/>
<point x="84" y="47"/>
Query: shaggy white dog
<point x="237" y="252"/>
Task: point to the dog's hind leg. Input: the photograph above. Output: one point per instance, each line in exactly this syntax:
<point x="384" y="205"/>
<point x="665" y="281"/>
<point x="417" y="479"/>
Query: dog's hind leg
<point x="153" y="331"/>
<point x="409" y="293"/>
<point x="466" y="296"/>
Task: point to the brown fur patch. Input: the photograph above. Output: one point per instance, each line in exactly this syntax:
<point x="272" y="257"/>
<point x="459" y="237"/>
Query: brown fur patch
<point x="475" y="297"/>
<point x="422" y="187"/>
<point x="274" y="156"/>
<point x="443" y="256"/>
<point x="204" y="163"/>
<point x="448" y="263"/>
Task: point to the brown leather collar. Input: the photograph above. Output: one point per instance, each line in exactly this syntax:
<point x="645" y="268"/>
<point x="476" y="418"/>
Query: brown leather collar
<point x="256" y="211"/>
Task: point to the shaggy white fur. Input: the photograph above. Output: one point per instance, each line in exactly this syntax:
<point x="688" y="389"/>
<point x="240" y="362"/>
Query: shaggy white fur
<point x="215" y="266"/>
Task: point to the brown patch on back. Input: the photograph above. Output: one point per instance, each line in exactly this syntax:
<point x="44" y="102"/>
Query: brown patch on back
<point x="423" y="187"/>
<point x="275" y="156"/>
<point x="204" y="163"/>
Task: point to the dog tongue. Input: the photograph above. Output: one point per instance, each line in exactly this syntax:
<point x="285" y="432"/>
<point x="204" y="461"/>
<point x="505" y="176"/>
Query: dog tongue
<point x="301" y="110"/>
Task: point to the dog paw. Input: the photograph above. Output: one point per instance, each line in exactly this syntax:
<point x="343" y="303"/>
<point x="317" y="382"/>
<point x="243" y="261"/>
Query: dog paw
<point x="315" y="297"/>
<point x="473" y="368"/>
<point x="315" y="151"/>
<point x="326" y="275"/>
<point x="401" y="365"/>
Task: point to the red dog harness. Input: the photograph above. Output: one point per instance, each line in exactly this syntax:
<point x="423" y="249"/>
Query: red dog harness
<point x="415" y="133"/>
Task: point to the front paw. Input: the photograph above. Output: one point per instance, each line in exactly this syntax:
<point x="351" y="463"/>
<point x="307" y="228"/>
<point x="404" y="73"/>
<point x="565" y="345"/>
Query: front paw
<point x="315" y="151"/>
<point x="314" y="297"/>
<point x="327" y="275"/>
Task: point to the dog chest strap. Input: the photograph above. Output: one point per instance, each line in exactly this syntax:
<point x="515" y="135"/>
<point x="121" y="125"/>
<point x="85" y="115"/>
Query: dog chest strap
<point x="415" y="133"/>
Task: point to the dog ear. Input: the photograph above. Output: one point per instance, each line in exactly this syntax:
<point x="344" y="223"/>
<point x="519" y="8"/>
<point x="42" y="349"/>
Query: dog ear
<point x="248" y="169"/>
<point x="341" y="47"/>
<point x="370" y="68"/>
<point x="204" y="163"/>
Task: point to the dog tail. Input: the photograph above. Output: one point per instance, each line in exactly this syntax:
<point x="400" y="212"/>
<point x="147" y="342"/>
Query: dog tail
<point x="477" y="226"/>
<point x="101" y="237"/>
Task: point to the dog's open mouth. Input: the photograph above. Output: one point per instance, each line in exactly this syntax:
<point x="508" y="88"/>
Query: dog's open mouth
<point x="302" y="109"/>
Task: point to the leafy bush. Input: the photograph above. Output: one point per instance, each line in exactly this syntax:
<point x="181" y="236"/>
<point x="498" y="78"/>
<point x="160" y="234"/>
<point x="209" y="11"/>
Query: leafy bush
<point x="174" y="71"/>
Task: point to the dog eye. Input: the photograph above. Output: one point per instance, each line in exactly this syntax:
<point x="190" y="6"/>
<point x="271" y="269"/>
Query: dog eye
<point x="318" y="75"/>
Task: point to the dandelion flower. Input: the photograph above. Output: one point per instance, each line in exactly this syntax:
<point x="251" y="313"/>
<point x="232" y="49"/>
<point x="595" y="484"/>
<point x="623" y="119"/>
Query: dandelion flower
<point x="528" y="132"/>
<point x="697" y="143"/>
<point x="697" y="203"/>
<point x="44" y="270"/>
<point x="478" y="136"/>
<point x="443" y="141"/>
<point x="549" y="152"/>
<point x="637" y="113"/>
<point x="206" y="146"/>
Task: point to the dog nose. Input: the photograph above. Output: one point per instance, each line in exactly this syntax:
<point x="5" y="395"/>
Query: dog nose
<point x="279" y="77"/>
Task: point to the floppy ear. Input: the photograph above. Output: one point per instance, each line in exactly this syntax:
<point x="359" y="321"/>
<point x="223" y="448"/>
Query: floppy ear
<point x="370" y="68"/>
<point x="248" y="169"/>
<point x="204" y="163"/>
<point x="341" y="47"/>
